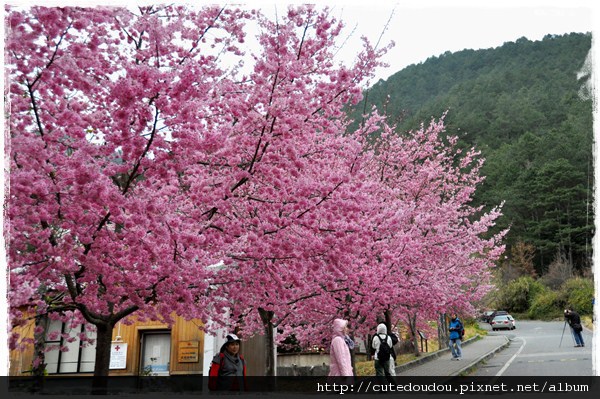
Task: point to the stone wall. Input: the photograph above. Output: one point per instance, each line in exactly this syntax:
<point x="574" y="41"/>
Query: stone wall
<point x="306" y="364"/>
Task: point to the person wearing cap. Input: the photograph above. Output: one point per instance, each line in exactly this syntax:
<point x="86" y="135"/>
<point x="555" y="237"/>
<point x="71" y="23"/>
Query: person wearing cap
<point x="228" y="367"/>
<point x="574" y="321"/>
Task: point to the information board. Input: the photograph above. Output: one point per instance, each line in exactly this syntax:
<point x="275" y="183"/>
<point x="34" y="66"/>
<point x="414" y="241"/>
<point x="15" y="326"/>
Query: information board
<point x="118" y="356"/>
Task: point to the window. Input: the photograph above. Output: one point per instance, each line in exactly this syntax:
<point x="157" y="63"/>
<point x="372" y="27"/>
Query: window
<point x="79" y="358"/>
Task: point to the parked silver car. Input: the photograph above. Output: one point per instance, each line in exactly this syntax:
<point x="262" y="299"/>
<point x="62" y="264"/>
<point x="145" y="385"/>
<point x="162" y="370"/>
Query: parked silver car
<point x="503" y="322"/>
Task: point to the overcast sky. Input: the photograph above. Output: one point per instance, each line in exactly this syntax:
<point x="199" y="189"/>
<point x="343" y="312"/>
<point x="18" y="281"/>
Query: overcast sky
<point x="425" y="28"/>
<point x="429" y="28"/>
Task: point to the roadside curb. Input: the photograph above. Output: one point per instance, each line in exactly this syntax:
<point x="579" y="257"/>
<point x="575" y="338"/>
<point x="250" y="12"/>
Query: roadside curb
<point x="433" y="356"/>
<point x="481" y="359"/>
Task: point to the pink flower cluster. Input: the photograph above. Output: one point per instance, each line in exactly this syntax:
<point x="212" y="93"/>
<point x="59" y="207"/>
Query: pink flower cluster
<point x="147" y="177"/>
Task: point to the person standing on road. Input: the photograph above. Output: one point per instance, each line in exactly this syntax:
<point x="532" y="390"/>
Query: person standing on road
<point x="455" y="327"/>
<point x="340" y="363"/>
<point x="382" y="344"/>
<point x="572" y="317"/>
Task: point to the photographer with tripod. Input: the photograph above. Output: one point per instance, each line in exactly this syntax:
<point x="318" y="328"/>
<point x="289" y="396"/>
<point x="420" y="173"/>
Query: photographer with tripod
<point x="572" y="317"/>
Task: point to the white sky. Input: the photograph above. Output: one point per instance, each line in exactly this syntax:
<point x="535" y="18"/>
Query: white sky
<point x="430" y="28"/>
<point x="423" y="28"/>
<point x="420" y="29"/>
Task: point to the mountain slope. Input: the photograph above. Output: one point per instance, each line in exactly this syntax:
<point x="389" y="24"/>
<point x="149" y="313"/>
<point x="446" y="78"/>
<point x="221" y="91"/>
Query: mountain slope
<point x="520" y="104"/>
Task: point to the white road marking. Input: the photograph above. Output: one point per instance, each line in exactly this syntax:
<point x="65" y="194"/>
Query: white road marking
<point x="503" y="369"/>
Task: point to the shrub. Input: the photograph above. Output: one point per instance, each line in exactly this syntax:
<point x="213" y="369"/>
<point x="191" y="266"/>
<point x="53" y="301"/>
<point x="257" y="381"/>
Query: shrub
<point x="578" y="293"/>
<point x="545" y="306"/>
<point x="519" y="294"/>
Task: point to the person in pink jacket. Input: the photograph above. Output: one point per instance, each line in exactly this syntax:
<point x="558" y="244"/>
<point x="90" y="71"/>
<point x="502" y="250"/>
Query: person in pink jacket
<point x="340" y="364"/>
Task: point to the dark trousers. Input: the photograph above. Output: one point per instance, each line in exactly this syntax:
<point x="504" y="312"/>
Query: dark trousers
<point x="578" y="337"/>
<point x="382" y="368"/>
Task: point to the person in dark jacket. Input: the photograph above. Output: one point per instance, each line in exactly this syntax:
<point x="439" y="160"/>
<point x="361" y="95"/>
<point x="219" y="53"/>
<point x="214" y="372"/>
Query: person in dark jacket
<point x="572" y="317"/>
<point x="228" y="367"/>
<point x="455" y="327"/>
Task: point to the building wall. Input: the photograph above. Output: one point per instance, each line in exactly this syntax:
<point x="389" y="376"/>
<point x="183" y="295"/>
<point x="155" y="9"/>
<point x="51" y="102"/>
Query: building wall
<point x="20" y="361"/>
<point x="182" y="331"/>
<point x="254" y="352"/>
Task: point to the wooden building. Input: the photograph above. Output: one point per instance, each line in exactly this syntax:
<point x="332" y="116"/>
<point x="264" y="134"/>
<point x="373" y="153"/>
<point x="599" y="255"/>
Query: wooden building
<point x="140" y="348"/>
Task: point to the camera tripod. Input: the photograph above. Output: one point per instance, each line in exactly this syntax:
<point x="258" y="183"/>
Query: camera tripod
<point x="563" y="333"/>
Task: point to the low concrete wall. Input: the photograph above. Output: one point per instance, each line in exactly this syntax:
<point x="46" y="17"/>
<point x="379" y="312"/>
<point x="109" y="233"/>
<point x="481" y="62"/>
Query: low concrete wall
<point x="296" y="371"/>
<point x="302" y="359"/>
<point x="307" y="364"/>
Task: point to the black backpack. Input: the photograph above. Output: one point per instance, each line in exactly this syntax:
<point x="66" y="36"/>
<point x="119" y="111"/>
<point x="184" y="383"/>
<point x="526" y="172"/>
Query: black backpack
<point x="385" y="352"/>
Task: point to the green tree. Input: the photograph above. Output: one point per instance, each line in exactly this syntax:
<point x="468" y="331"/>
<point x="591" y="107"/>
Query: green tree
<point x="520" y="105"/>
<point x="557" y="211"/>
<point x="518" y="295"/>
<point x="578" y="293"/>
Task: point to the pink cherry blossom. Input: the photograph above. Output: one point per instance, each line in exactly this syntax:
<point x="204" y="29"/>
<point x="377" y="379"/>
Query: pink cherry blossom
<point x="150" y="177"/>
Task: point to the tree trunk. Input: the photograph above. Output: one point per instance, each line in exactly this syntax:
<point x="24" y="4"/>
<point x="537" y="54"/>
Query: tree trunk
<point x="388" y="320"/>
<point x="267" y="319"/>
<point x="39" y="355"/>
<point x="101" y="368"/>
<point x="442" y="331"/>
<point x="39" y="344"/>
<point x="353" y="351"/>
<point x="412" y="324"/>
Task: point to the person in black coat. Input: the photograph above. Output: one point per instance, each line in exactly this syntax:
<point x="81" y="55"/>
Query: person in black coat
<point x="572" y="317"/>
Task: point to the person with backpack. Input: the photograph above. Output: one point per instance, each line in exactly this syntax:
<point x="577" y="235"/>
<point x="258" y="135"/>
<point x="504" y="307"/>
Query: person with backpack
<point x="340" y="362"/>
<point x="572" y="317"/>
<point x="456" y="329"/>
<point x="382" y="344"/>
<point x="228" y="368"/>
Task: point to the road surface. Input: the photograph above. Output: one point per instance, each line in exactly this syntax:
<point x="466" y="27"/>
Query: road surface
<point x="539" y="348"/>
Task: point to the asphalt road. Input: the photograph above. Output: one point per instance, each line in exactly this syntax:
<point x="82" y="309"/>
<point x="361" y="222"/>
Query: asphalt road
<point x="539" y="348"/>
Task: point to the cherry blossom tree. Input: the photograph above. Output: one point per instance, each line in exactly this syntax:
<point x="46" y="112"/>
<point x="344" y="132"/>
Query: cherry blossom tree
<point x="328" y="222"/>
<point x="140" y="154"/>
<point x="291" y="195"/>
<point x="429" y="243"/>
<point x="327" y="218"/>
<point x="136" y="161"/>
<point x="109" y="107"/>
<point x="416" y="248"/>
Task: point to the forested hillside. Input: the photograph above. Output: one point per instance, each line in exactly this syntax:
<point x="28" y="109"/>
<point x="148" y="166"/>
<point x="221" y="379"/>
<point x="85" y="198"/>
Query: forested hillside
<point x="520" y="105"/>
